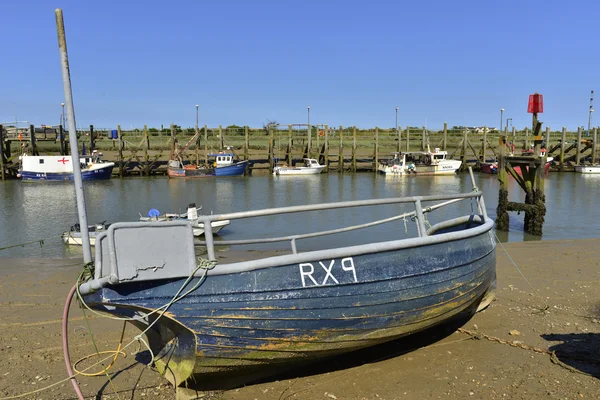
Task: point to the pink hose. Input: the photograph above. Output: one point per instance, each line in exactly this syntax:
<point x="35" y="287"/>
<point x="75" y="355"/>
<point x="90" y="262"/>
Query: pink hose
<point x="65" y="322"/>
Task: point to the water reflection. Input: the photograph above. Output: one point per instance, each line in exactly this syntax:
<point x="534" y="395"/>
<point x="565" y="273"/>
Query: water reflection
<point x="43" y="210"/>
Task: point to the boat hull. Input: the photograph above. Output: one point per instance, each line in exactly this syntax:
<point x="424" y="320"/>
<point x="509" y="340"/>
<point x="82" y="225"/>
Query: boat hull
<point x="587" y="169"/>
<point x="102" y="173"/>
<point x="299" y="170"/>
<point x="269" y="317"/>
<point x="236" y="169"/>
<point x="489" y="168"/>
<point x="546" y="169"/>
<point x="190" y="172"/>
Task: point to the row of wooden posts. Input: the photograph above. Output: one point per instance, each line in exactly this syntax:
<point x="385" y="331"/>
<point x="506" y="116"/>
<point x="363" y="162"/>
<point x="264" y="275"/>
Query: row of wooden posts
<point x="148" y="164"/>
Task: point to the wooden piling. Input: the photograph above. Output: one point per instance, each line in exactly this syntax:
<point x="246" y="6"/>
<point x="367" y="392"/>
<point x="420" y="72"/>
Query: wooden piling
<point x="146" y="169"/>
<point x="341" y="151"/>
<point x="205" y="145"/>
<point x="326" y="148"/>
<point x="376" y="155"/>
<point x="444" y="140"/>
<point x="399" y="132"/>
<point x="463" y="157"/>
<point x="526" y="145"/>
<point x="407" y="139"/>
<point x="578" y="154"/>
<point x="502" y="218"/>
<point x="354" y="149"/>
<point x="289" y="157"/>
<point x="595" y="147"/>
<point x="484" y="146"/>
<point x="121" y="165"/>
<point x="221" y="139"/>
<point x="34" y="150"/>
<point x="92" y="139"/>
<point x="547" y="138"/>
<point x="563" y="142"/>
<point x="197" y="144"/>
<point x="2" y="155"/>
<point x="514" y="136"/>
<point x="423" y="140"/>
<point x="246" y="143"/>
<point x="271" y="148"/>
<point x="63" y="146"/>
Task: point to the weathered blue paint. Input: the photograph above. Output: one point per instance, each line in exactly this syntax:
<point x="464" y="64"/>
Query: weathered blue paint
<point x="267" y="316"/>
<point x="236" y="169"/>
<point x="97" y="174"/>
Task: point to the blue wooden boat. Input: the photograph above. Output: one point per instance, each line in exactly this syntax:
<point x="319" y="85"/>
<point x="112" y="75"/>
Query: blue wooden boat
<point x="225" y="164"/>
<point x="241" y="316"/>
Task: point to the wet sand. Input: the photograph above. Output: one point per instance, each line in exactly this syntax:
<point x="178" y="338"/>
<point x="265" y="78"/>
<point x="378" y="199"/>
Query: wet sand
<point x="444" y="363"/>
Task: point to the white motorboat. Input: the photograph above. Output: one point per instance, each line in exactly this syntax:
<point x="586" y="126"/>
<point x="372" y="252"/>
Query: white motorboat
<point x="420" y="163"/>
<point x="587" y="169"/>
<point x="310" y="167"/>
<point x="191" y="216"/>
<point x="73" y="236"/>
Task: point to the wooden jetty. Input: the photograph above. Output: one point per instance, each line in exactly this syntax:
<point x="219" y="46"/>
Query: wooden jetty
<point x="144" y="152"/>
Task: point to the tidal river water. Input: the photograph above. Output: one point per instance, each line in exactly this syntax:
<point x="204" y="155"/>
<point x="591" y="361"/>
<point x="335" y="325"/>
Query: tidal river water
<point x="42" y="211"/>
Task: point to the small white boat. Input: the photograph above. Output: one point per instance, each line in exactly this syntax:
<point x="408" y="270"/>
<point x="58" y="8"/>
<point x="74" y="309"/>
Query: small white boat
<point x="191" y="216"/>
<point x="587" y="169"/>
<point x="310" y="167"/>
<point x="419" y="163"/>
<point x="73" y="236"/>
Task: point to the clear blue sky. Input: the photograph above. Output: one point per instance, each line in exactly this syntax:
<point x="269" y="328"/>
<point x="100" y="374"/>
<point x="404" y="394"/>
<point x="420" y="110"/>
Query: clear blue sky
<point x="247" y="62"/>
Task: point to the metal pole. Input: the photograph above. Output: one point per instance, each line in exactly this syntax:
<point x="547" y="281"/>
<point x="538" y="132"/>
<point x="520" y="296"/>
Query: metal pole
<point x="309" y="131"/>
<point x="501" y="114"/>
<point x="80" y="196"/>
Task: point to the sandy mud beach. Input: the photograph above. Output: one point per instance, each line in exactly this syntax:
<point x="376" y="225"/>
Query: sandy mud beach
<point x="540" y="343"/>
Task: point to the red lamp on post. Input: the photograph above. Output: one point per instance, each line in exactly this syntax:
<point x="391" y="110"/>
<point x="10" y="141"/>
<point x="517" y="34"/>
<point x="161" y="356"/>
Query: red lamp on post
<point x="536" y="103"/>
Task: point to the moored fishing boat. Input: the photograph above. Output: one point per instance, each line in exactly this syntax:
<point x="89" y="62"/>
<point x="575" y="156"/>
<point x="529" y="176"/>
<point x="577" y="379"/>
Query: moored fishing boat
<point x="225" y="164"/>
<point x="419" y="163"/>
<point x="60" y="168"/>
<point x="489" y="167"/>
<point x="241" y="316"/>
<point x="587" y="169"/>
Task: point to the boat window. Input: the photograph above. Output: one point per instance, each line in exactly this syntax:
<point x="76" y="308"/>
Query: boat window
<point x="41" y="160"/>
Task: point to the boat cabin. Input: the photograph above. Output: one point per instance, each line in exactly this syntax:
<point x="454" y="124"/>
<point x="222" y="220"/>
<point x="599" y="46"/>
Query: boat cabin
<point x="311" y="163"/>
<point x="222" y="159"/>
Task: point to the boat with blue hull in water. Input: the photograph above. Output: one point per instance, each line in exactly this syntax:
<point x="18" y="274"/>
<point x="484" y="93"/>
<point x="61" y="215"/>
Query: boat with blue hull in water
<point x="60" y="168"/>
<point x="245" y="315"/>
<point x="225" y="164"/>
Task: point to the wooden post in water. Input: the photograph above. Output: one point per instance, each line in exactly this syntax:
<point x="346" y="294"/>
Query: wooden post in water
<point x="146" y="169"/>
<point x="92" y="139"/>
<point x="563" y="140"/>
<point x="547" y="138"/>
<point x="2" y="151"/>
<point x="354" y="149"/>
<point x="595" y="147"/>
<point x="463" y="157"/>
<point x="376" y="155"/>
<point x="407" y="139"/>
<point x="197" y="144"/>
<point x="271" y="148"/>
<point x="34" y="150"/>
<point x="61" y="135"/>
<point x="341" y="151"/>
<point x="502" y="218"/>
<point x="120" y="150"/>
<point x="514" y="136"/>
<point x="526" y="139"/>
<point x="221" y="139"/>
<point x="423" y="140"/>
<point x="444" y="140"/>
<point x="326" y="149"/>
<point x="246" y="142"/>
<point x="484" y="146"/>
<point x="289" y="155"/>
<point x="205" y="144"/>
<point x="578" y="154"/>
<point x="399" y="139"/>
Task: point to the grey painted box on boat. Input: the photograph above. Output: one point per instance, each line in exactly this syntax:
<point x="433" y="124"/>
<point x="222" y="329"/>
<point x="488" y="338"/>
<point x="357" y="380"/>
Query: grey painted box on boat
<point x="143" y="251"/>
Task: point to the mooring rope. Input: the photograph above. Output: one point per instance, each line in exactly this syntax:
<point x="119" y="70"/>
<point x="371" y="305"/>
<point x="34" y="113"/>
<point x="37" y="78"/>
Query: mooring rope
<point x="40" y="241"/>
